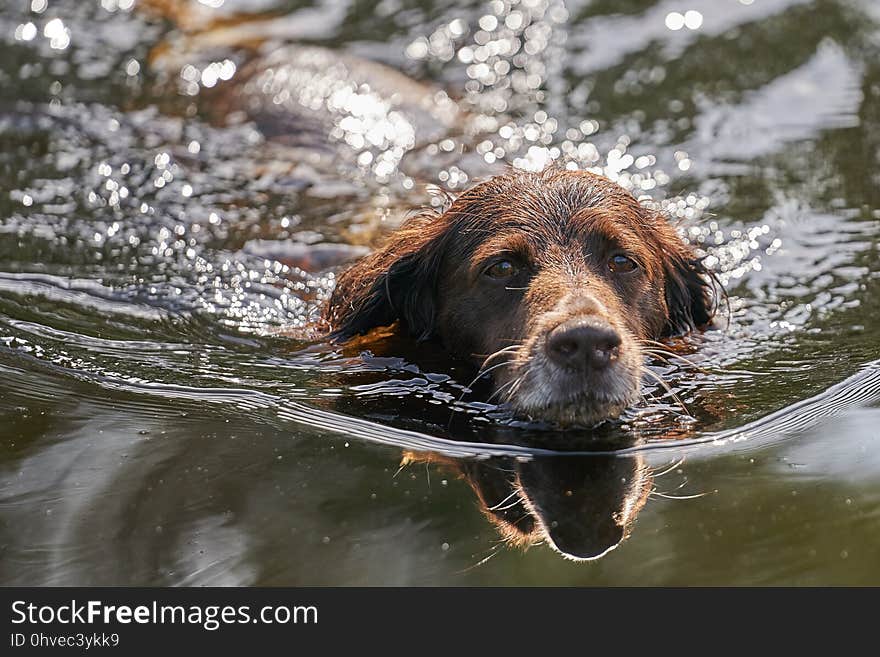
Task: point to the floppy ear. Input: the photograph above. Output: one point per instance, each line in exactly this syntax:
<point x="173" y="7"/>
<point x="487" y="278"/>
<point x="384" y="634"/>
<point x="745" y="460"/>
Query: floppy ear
<point x="689" y="293"/>
<point x="398" y="282"/>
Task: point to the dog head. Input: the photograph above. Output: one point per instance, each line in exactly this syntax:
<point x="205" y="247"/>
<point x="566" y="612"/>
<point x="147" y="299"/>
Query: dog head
<point x="550" y="282"/>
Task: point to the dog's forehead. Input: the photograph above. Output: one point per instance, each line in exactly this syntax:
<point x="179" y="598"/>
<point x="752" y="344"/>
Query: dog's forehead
<point x="527" y="229"/>
<point x="541" y="202"/>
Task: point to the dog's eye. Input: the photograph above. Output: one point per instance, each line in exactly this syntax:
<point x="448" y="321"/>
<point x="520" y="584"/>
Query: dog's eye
<point x="621" y="264"/>
<point x="502" y="269"/>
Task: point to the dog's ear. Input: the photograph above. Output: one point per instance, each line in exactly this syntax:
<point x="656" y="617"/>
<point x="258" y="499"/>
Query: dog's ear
<point x="689" y="293"/>
<point x="398" y="282"/>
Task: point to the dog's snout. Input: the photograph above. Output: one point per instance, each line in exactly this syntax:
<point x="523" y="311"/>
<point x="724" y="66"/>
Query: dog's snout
<point x="583" y="344"/>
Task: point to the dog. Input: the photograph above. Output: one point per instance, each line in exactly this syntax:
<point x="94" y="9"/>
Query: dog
<point x="552" y="283"/>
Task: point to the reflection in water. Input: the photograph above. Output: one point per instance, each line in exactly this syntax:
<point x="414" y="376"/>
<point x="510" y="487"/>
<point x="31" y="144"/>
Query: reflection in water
<point x="607" y="40"/>
<point x="803" y="96"/>
<point x="582" y="507"/>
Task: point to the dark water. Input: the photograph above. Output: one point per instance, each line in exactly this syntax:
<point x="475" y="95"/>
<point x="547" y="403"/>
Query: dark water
<point x="178" y="186"/>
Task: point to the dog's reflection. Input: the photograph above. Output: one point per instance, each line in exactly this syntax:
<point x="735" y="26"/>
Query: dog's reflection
<point x="582" y="506"/>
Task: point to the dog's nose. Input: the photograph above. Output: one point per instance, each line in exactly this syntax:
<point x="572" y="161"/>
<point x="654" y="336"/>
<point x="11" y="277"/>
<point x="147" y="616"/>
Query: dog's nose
<point x="583" y="344"/>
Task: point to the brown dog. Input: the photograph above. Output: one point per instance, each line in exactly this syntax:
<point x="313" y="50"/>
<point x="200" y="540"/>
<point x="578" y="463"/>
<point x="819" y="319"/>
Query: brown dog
<point x="552" y="282"/>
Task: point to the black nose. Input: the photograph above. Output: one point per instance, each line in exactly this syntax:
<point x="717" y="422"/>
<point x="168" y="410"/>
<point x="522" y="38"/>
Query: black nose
<point x="583" y="344"/>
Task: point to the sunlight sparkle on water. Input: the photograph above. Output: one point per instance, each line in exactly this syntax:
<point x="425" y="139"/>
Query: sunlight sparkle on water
<point x="57" y="33"/>
<point x="691" y="19"/>
<point x="509" y="55"/>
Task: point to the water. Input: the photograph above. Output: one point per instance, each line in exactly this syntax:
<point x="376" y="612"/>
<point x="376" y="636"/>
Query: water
<point x="172" y="212"/>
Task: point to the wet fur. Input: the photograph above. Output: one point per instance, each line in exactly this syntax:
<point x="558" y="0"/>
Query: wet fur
<point x="561" y="226"/>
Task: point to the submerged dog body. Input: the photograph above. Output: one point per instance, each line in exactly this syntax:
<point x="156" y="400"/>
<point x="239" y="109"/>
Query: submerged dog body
<point x="551" y="282"/>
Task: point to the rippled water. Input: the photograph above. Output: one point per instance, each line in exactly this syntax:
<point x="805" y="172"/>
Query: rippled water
<point x="179" y="182"/>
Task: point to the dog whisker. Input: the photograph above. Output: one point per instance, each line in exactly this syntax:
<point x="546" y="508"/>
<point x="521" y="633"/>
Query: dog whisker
<point x="500" y="352"/>
<point x="668" y="389"/>
<point x="502" y="505"/>
<point x="669" y="469"/>
<point x="480" y="562"/>
<point x="516" y="386"/>
<point x="484" y="372"/>
<point x="678" y="497"/>
<point x="501" y="389"/>
<point x="662" y="349"/>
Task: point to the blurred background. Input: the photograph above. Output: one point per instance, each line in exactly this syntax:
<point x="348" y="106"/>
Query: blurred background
<point x="181" y="180"/>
